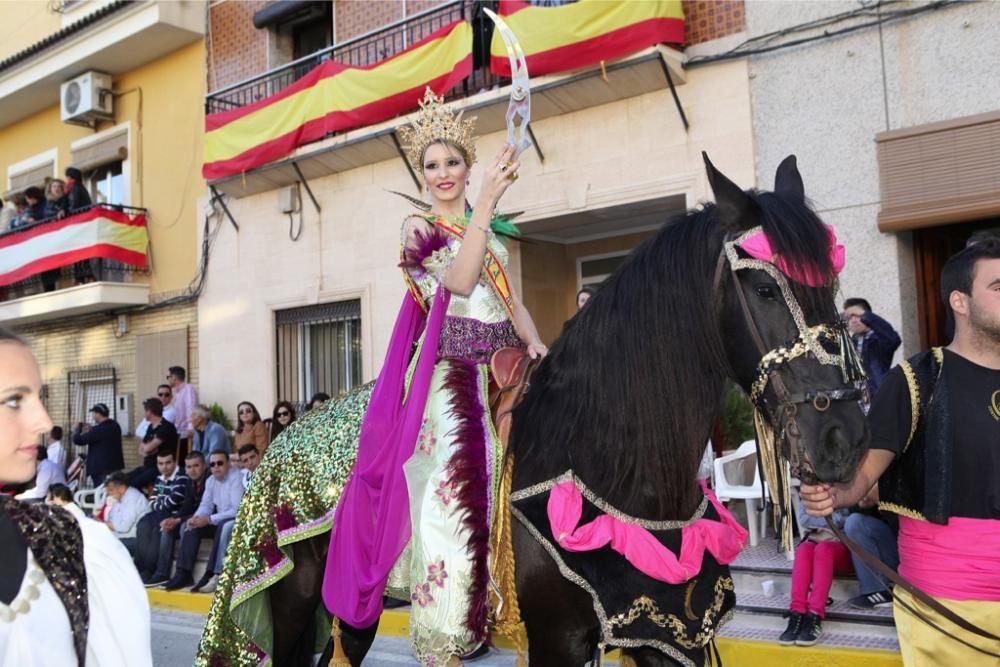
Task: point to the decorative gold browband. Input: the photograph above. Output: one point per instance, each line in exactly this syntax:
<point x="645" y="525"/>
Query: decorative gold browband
<point x="778" y="357"/>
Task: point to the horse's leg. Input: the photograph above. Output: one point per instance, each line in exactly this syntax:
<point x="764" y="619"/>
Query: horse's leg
<point x="558" y="615"/>
<point x="294" y="600"/>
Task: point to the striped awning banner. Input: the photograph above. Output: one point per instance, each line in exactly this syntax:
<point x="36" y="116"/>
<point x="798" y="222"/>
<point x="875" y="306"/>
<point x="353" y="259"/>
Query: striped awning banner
<point x="334" y="97"/>
<point x="96" y="233"/>
<point x="578" y="34"/>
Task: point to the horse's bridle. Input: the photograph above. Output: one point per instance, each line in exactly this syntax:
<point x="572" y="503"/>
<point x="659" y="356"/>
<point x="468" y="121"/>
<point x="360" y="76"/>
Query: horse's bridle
<point x="809" y="342"/>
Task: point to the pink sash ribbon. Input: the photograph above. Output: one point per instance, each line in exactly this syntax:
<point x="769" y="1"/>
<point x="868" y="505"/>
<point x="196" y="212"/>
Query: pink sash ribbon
<point x="724" y="539"/>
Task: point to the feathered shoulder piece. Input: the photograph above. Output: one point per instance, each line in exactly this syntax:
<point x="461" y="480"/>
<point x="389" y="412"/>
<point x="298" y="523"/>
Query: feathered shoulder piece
<point x="427" y="240"/>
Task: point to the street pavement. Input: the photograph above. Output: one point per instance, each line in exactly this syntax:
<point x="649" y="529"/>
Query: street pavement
<point x="176" y="635"/>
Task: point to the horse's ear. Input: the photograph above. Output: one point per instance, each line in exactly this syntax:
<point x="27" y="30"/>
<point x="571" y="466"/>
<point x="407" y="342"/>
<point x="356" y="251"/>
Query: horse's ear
<point x="788" y="181"/>
<point x="737" y="211"/>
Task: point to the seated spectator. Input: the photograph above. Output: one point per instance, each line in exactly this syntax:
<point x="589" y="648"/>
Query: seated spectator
<point x="877" y="535"/>
<point x="161" y="436"/>
<point x="249" y="460"/>
<point x="125" y="507"/>
<point x="250" y="429"/>
<point x="173" y="498"/>
<point x="223" y="493"/>
<point x="46" y="474"/>
<point x="208" y="435"/>
<point x="77" y="197"/>
<point x="55" y="198"/>
<point x="54" y="449"/>
<point x="59" y="494"/>
<point x="164" y="393"/>
<point x="284" y="414"/>
<point x="35" y="209"/>
<point x="819" y="555"/>
<point x="318" y="399"/>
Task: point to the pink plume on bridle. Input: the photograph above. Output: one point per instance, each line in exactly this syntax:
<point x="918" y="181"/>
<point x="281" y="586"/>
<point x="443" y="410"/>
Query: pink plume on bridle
<point x="758" y="246"/>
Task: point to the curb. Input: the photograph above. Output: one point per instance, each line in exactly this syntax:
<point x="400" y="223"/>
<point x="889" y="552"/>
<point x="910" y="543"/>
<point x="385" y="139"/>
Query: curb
<point x="742" y="652"/>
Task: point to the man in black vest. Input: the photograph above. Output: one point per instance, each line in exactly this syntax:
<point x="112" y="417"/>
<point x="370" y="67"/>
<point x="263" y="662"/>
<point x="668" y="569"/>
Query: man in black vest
<point x="935" y="453"/>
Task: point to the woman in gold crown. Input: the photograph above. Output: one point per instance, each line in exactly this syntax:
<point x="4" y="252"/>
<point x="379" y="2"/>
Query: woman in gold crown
<point x="403" y="473"/>
<point x="428" y="465"/>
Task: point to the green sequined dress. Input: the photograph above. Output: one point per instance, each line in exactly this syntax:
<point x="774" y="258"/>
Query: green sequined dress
<point x="293" y="496"/>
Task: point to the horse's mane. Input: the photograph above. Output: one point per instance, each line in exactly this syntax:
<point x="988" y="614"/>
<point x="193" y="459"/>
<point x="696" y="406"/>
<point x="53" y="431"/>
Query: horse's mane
<point x="629" y="391"/>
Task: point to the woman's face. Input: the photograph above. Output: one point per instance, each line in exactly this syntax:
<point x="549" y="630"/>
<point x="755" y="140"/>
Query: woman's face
<point x="56" y="189"/>
<point x="581" y="299"/>
<point x="445" y="172"/>
<point x="23" y="418"/>
<point x="284" y="416"/>
<point x="246" y="413"/>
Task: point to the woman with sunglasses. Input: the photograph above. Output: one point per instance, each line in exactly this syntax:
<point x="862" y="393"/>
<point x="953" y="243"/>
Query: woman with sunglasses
<point x="283" y="416"/>
<point x="250" y="430"/>
<point x="69" y="593"/>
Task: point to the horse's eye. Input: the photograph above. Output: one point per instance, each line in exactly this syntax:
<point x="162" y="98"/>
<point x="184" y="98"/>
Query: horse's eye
<point x="764" y="291"/>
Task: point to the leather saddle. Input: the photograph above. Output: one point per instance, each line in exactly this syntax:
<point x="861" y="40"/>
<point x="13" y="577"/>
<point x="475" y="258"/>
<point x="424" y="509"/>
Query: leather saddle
<point x="511" y="370"/>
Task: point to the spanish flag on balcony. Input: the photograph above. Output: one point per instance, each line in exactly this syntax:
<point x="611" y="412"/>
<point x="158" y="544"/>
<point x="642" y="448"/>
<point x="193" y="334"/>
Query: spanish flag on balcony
<point x="334" y="97"/>
<point x="557" y="39"/>
<point x="98" y="232"/>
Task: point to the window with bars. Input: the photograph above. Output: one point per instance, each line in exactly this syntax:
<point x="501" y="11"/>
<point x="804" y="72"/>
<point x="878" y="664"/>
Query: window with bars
<point x="318" y="349"/>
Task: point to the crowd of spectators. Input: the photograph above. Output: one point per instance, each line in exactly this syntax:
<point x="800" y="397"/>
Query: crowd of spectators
<point x="56" y="198"/>
<point x="188" y="488"/>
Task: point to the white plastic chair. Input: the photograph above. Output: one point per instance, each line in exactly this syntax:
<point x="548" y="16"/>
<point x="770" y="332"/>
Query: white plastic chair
<point x="751" y="494"/>
<point x="91" y="500"/>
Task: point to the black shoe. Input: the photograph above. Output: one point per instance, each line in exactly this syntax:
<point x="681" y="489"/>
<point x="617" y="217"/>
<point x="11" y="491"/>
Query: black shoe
<point x="787" y="637"/>
<point x="155" y="580"/>
<point x="812" y="630"/>
<point x="480" y="652"/>
<point x="179" y="580"/>
<point x="870" y="601"/>
<point x="201" y="582"/>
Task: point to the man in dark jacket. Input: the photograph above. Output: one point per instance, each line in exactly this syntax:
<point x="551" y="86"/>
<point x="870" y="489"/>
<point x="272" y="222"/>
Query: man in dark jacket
<point x="104" y="444"/>
<point x="875" y="339"/>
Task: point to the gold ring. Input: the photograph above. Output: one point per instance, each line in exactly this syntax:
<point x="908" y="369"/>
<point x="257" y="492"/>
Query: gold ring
<point x="513" y="176"/>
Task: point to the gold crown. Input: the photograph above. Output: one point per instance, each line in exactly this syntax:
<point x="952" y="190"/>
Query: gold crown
<point x="433" y="123"/>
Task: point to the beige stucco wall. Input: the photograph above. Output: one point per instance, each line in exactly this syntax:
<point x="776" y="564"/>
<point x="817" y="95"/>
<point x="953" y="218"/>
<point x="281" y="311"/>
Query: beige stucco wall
<point x="626" y="151"/>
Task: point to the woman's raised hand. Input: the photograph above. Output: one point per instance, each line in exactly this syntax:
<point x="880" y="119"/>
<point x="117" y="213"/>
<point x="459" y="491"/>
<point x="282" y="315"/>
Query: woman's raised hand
<point x="499" y="175"/>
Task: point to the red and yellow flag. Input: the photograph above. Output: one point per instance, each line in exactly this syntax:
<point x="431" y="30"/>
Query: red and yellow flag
<point x="96" y="233"/>
<point x="334" y="97"/>
<point x="556" y="39"/>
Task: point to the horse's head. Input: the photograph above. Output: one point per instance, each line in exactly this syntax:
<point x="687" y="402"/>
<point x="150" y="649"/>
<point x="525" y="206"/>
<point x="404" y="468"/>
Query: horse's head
<point x="776" y="281"/>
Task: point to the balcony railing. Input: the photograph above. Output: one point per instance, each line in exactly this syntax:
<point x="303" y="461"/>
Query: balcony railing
<point x="87" y="270"/>
<point x="373" y="47"/>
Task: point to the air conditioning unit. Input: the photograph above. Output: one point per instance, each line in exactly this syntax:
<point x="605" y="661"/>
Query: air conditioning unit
<point x="86" y="98"/>
<point x="123" y="412"/>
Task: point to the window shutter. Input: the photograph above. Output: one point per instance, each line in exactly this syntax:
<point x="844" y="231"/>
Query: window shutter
<point x="110" y="148"/>
<point x="940" y="173"/>
<point x="33" y="176"/>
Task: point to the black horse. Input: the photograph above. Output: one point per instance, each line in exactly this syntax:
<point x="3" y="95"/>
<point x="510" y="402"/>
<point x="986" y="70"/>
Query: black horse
<point x="628" y="394"/>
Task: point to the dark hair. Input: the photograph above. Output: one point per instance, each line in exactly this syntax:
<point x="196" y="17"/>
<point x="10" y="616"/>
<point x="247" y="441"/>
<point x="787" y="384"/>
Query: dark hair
<point x="165" y="386"/>
<point x="319" y="396"/>
<point x="857" y="301"/>
<point x="60" y="492"/>
<point x="41" y="454"/>
<point x="118" y="477"/>
<point x="56" y="432"/>
<point x="221" y="452"/>
<point x="239" y="422"/>
<point x="34" y="192"/>
<point x="178" y="372"/>
<point x="983" y="235"/>
<point x="74" y="173"/>
<point x="165" y="454"/>
<point x="247" y="448"/>
<point x="154" y="405"/>
<point x="959" y="271"/>
<point x="195" y="454"/>
<point x="590" y="290"/>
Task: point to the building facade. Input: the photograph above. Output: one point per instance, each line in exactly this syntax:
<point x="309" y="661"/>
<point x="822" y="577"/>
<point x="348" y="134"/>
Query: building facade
<point x="897" y="130"/>
<point x="304" y="301"/>
<point x="112" y="89"/>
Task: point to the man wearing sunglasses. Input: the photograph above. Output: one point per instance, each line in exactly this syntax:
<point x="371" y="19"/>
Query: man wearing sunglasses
<point x="223" y="493"/>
